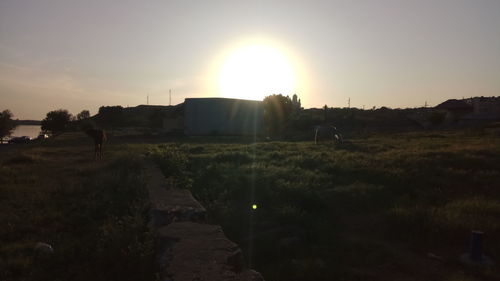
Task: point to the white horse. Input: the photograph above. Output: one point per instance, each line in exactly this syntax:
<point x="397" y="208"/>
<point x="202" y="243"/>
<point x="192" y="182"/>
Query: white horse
<point x="326" y="132"/>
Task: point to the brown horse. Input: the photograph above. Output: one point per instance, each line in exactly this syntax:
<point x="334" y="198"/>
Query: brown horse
<point x="99" y="136"/>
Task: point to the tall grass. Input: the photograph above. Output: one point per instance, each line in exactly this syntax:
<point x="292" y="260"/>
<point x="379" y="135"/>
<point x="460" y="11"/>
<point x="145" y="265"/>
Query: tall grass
<point x="93" y="214"/>
<point x="344" y="211"/>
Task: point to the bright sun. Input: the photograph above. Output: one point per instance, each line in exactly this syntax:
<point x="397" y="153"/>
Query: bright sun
<point x="256" y="71"/>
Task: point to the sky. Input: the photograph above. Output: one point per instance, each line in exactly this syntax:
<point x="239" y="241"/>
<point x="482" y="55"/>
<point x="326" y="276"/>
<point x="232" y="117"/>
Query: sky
<point x="80" y="55"/>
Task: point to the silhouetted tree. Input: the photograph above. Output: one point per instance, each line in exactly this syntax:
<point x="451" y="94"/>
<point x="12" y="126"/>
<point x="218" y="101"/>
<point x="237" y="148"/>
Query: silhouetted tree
<point x="56" y="121"/>
<point x="110" y="115"/>
<point x="83" y="115"/>
<point x="6" y="124"/>
<point x="277" y="113"/>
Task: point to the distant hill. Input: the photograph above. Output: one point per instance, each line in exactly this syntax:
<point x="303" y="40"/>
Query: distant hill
<point x="27" y="122"/>
<point x="139" y="116"/>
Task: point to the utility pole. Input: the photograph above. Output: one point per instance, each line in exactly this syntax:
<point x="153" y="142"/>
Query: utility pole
<point x="170" y="97"/>
<point x="147" y="99"/>
<point x="425" y="104"/>
<point x="349" y="103"/>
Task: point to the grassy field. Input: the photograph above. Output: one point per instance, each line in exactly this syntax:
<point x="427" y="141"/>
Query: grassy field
<point x="389" y="207"/>
<point x="394" y="207"/>
<point x="93" y="214"/>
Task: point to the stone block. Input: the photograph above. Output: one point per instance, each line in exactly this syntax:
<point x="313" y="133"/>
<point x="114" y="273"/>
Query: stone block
<point x="194" y="251"/>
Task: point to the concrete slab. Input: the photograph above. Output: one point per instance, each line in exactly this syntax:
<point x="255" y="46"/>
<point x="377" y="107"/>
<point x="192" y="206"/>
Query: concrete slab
<point x="171" y="204"/>
<point x="186" y="248"/>
<point x="194" y="251"/>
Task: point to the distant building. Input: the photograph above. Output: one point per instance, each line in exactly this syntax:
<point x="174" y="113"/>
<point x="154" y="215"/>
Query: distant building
<point x="454" y="109"/>
<point x="484" y="108"/>
<point x="296" y="103"/>
<point x="477" y="109"/>
<point x="222" y="116"/>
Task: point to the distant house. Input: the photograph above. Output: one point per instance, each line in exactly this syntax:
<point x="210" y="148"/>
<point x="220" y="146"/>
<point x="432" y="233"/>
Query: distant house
<point x="472" y="110"/>
<point x="483" y="108"/>
<point x="454" y="109"/>
<point x="222" y="116"/>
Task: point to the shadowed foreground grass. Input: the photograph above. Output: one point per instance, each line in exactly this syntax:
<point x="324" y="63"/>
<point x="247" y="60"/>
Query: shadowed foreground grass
<point x="397" y="207"/>
<point x="93" y="214"/>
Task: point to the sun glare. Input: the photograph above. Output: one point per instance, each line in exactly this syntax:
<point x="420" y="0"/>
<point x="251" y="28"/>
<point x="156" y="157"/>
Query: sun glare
<point x="255" y="71"/>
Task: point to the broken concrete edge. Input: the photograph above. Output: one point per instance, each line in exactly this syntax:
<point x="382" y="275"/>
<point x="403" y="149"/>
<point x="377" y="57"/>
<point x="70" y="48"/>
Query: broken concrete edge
<point x="170" y="204"/>
<point x="187" y="248"/>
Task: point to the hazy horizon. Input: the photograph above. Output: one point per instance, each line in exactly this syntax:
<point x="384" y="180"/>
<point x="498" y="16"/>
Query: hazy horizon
<point x="80" y="55"/>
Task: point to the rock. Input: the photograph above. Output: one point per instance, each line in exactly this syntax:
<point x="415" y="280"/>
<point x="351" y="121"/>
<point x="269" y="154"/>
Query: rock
<point x="186" y="248"/>
<point x="434" y="257"/>
<point x="485" y="261"/>
<point x="194" y="251"/>
<point x="171" y="204"/>
<point x="288" y="243"/>
<point x="43" y="249"/>
<point x="251" y="275"/>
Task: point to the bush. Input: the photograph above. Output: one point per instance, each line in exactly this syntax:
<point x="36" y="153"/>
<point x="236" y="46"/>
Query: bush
<point x="277" y="113"/>
<point x="327" y="212"/>
<point x="173" y="162"/>
<point x="468" y="214"/>
<point x="56" y="121"/>
<point x="6" y="124"/>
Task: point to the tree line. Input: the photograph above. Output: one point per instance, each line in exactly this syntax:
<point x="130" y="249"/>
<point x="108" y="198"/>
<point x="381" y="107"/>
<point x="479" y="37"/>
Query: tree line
<point x="7" y="125"/>
<point x="278" y="111"/>
<point x="55" y="122"/>
<point x="282" y="117"/>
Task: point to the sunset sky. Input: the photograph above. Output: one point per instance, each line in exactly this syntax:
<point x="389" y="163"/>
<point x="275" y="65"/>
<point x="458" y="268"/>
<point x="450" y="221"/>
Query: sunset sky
<point x="399" y="53"/>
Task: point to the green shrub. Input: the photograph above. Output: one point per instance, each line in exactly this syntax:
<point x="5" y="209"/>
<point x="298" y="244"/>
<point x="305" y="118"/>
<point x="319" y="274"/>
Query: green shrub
<point x="171" y="160"/>
<point x="341" y="212"/>
<point x="470" y="214"/>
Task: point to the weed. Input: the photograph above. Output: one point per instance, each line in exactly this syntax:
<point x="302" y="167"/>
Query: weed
<point x="346" y="211"/>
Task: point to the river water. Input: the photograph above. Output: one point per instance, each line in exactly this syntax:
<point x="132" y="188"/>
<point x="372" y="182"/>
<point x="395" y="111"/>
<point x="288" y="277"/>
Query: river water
<point x="31" y="131"/>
